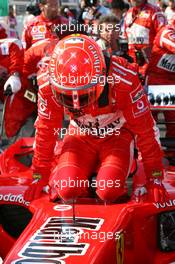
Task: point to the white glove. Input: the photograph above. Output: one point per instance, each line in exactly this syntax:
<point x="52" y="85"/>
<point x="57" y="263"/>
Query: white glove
<point x="14" y="82"/>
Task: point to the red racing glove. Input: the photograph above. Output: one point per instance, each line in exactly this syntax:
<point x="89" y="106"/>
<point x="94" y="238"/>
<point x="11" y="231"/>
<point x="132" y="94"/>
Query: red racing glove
<point x="35" y="189"/>
<point x="153" y="190"/>
<point x="156" y="190"/>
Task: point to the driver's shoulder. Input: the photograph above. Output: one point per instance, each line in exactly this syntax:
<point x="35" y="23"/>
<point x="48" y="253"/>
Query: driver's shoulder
<point x="123" y="70"/>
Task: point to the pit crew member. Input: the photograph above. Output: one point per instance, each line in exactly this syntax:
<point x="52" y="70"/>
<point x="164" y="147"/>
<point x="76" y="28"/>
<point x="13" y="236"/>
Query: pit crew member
<point x="161" y="70"/>
<point x="44" y="25"/>
<point x="142" y="21"/>
<point x="11" y="62"/>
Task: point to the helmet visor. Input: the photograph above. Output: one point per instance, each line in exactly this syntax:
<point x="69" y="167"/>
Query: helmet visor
<point x="75" y="101"/>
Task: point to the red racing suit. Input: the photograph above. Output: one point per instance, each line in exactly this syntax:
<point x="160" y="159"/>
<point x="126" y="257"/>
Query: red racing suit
<point x="37" y="55"/>
<point x="161" y="68"/>
<point x="127" y="112"/>
<point x="3" y="33"/>
<point x="41" y="28"/>
<point x="22" y="104"/>
<point x="140" y="27"/>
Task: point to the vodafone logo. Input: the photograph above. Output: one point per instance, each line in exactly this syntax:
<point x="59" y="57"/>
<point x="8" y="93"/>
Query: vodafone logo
<point x="14" y="198"/>
<point x="140" y="105"/>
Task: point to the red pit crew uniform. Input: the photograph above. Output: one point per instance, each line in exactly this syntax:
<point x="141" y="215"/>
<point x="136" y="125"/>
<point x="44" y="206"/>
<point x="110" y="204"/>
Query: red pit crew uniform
<point x="3" y="33"/>
<point x="140" y="27"/>
<point x="161" y="68"/>
<point x="37" y="55"/>
<point x="17" y="107"/>
<point x="11" y="61"/>
<point x="41" y="28"/>
<point x="126" y="116"/>
<point x="11" y="56"/>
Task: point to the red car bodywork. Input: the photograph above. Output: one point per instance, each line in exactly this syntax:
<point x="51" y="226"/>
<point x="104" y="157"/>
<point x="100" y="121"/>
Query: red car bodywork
<point x="126" y="232"/>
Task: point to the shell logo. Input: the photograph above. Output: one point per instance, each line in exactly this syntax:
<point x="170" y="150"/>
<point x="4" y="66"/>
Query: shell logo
<point x="39" y="29"/>
<point x="42" y="29"/>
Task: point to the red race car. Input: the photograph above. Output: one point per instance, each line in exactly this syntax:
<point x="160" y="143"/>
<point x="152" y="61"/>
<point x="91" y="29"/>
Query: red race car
<point x="89" y="231"/>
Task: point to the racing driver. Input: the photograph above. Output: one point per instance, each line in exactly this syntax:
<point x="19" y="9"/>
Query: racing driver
<point x="108" y="111"/>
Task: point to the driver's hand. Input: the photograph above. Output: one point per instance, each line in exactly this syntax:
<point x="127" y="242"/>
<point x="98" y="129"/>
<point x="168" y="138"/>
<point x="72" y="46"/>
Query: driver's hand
<point x="35" y="189"/>
<point x="156" y="190"/>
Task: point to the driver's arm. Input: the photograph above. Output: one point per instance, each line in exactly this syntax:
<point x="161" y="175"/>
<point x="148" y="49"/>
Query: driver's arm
<point x="49" y="121"/>
<point x="134" y="104"/>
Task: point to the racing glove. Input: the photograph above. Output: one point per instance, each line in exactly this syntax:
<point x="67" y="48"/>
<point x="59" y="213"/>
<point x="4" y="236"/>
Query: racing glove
<point x="35" y="189"/>
<point x="156" y="190"/>
<point x="14" y="82"/>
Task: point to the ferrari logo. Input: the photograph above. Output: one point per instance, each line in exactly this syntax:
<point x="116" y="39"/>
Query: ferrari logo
<point x="120" y="249"/>
<point x="42" y="29"/>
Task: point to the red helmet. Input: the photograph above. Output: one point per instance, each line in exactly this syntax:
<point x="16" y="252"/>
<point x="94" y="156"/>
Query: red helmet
<point x="76" y="70"/>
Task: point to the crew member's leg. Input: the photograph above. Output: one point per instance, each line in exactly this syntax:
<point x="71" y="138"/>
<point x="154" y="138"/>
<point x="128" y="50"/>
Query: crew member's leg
<point x="18" y="110"/>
